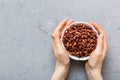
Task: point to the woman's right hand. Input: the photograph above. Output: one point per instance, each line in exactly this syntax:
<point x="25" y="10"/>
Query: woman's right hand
<point x="94" y="64"/>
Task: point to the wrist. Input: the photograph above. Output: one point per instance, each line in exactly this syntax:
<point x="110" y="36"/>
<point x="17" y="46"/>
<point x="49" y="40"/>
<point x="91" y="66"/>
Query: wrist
<point x="59" y="65"/>
<point x="60" y="72"/>
<point x="94" y="74"/>
<point x="62" y="69"/>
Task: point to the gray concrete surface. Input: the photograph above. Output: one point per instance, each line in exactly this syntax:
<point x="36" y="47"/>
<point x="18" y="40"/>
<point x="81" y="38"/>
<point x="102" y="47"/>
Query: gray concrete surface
<point x="25" y="43"/>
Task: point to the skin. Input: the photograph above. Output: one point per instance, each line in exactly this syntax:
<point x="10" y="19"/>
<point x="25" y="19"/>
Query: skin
<point x="93" y="66"/>
<point x="61" y="55"/>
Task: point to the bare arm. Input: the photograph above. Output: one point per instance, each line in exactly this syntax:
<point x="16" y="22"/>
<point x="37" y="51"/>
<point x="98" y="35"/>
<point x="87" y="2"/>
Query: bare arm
<point x="94" y="64"/>
<point x="61" y="55"/>
<point x="60" y="73"/>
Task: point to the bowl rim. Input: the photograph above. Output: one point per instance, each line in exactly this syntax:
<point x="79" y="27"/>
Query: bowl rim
<point x="62" y="34"/>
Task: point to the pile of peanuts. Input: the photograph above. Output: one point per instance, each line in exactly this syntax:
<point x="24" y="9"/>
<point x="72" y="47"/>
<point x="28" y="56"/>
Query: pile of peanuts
<point x="79" y="40"/>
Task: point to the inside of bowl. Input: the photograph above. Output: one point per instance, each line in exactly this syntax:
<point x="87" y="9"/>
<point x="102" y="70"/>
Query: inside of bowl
<point x="71" y="56"/>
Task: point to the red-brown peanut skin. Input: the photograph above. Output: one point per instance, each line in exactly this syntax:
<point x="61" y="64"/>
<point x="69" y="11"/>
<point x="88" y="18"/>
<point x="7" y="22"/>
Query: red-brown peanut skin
<point x="80" y="40"/>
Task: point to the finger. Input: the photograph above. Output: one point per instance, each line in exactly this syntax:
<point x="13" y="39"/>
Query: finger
<point x="69" y="22"/>
<point x="99" y="46"/>
<point x="97" y="27"/>
<point x="104" y="39"/>
<point x="53" y="44"/>
<point x="55" y="49"/>
<point x="60" y="26"/>
<point x="105" y="46"/>
<point x="98" y="51"/>
<point x="57" y="42"/>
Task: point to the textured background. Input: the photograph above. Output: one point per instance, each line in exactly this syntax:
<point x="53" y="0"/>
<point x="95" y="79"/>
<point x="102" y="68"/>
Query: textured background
<point x="25" y="43"/>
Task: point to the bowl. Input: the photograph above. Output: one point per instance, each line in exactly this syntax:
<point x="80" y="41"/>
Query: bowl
<point x="62" y="34"/>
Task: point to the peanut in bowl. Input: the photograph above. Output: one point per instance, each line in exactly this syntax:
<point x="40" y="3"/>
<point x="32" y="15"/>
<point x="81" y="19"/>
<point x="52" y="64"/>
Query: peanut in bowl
<point x="79" y="39"/>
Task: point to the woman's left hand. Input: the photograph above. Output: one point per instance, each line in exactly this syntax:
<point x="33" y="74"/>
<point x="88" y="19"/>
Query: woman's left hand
<point x="61" y="55"/>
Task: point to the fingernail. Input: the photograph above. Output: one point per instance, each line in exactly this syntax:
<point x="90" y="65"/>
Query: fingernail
<point x="101" y="36"/>
<point x="65" y="19"/>
<point x="52" y="35"/>
<point x="72" y="19"/>
<point x="90" y="22"/>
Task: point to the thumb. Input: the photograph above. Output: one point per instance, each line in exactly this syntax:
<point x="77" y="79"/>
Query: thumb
<point x="99" y="44"/>
<point x="56" y="41"/>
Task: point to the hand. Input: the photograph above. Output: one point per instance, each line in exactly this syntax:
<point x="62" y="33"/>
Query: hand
<point x="94" y="64"/>
<point x="61" y="55"/>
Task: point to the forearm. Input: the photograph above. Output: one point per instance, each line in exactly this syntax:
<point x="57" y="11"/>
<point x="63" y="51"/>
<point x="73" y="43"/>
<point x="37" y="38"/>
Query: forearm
<point x="94" y="74"/>
<point x="60" y="72"/>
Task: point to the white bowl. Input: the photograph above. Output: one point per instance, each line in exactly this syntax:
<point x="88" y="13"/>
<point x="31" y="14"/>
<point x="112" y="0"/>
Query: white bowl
<point x="71" y="56"/>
